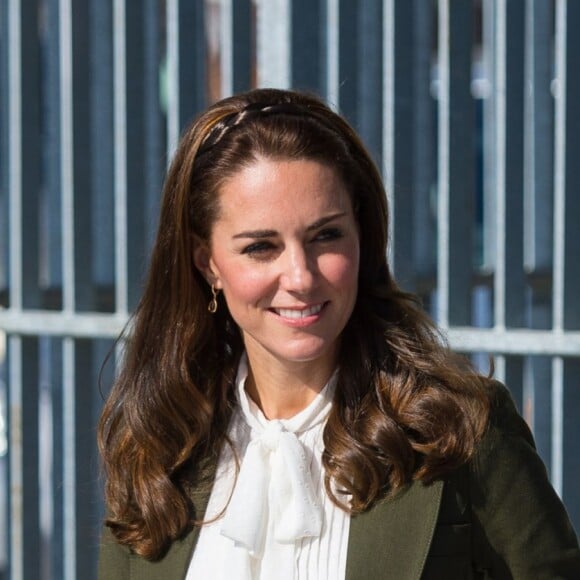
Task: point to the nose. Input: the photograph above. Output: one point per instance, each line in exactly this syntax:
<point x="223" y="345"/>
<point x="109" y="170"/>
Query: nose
<point x="298" y="273"/>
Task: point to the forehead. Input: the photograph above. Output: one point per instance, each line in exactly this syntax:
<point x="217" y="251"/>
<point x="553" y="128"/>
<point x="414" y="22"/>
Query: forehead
<point x="271" y="185"/>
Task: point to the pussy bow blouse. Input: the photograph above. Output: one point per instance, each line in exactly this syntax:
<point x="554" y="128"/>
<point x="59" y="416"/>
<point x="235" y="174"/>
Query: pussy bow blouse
<point x="279" y="522"/>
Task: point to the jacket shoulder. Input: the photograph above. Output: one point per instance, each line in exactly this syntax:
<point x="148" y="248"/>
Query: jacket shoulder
<point x="521" y="528"/>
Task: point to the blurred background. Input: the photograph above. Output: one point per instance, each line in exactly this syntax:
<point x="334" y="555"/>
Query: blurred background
<point x="471" y="109"/>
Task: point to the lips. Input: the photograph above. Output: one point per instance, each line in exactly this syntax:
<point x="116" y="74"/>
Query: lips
<point x="298" y="313"/>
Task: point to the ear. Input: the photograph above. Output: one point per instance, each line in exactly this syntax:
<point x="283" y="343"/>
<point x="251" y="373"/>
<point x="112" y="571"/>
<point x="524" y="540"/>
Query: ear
<point x="204" y="263"/>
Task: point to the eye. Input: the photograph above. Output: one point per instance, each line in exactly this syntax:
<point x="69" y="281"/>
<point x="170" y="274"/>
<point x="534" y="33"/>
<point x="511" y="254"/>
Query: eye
<point x="258" y="249"/>
<point x="328" y="234"/>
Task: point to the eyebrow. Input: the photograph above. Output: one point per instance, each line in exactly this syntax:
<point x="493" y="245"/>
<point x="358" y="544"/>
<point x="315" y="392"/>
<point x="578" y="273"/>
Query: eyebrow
<point x="261" y="234"/>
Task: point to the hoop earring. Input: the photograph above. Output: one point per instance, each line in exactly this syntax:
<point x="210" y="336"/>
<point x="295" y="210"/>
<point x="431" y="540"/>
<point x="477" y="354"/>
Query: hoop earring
<point x="213" y="305"/>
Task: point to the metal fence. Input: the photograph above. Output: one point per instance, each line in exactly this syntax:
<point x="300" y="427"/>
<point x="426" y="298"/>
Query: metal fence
<point x="471" y="109"/>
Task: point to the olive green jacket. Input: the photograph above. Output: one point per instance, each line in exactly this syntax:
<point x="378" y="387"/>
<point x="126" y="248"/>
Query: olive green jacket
<point x="497" y="517"/>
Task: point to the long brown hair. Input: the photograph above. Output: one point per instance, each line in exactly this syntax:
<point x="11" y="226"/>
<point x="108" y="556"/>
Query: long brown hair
<point x="405" y="407"/>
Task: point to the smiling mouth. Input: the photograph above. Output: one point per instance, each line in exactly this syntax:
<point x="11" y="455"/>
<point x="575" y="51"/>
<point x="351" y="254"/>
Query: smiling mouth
<point x="297" y="314"/>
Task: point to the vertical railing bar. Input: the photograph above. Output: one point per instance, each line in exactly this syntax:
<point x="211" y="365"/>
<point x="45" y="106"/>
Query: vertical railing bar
<point x="508" y="278"/>
<point x="227" y="47"/>
<point x="559" y="168"/>
<point x="15" y="192"/>
<point x="186" y="66"/>
<point x="4" y="149"/>
<point x="235" y="40"/>
<point x="557" y="464"/>
<point x="528" y="393"/>
<point x="120" y="158"/>
<point x="567" y="177"/>
<point x="500" y="370"/>
<point x="538" y="208"/>
<point x="69" y="460"/>
<point x="500" y="164"/>
<point x="67" y="201"/>
<point x="559" y="243"/>
<point x="273" y="43"/>
<point x="567" y="247"/>
<point x="15" y="157"/>
<point x="388" y="168"/>
<point x="489" y="8"/>
<point x="16" y="460"/>
<point x="509" y="283"/>
<point x="173" y="92"/>
<point x="45" y="497"/>
<point x="67" y="155"/>
<point x="332" y="53"/>
<point x="443" y="193"/>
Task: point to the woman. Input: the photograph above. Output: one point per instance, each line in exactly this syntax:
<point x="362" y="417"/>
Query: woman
<point x="284" y="409"/>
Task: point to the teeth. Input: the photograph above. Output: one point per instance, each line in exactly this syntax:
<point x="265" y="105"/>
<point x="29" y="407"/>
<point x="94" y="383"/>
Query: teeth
<point x="287" y="313"/>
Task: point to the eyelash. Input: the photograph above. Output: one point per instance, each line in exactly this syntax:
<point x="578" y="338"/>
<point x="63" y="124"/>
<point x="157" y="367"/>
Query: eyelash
<point x="326" y="235"/>
<point x="257" y="248"/>
<point x="329" y="234"/>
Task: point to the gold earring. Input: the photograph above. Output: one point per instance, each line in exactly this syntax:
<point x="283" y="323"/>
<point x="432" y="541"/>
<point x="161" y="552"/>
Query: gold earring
<point x="213" y="305"/>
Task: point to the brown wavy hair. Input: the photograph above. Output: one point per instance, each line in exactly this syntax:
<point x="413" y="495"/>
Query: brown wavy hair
<point x="405" y="407"/>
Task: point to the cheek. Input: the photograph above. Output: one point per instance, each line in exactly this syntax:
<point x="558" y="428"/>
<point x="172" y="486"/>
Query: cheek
<point x="244" y="285"/>
<point x="341" y="270"/>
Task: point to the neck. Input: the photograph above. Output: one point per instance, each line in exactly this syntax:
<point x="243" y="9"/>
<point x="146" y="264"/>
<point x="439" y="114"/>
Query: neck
<point x="283" y="390"/>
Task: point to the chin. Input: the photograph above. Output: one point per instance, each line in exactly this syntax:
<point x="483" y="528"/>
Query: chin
<point x="306" y="352"/>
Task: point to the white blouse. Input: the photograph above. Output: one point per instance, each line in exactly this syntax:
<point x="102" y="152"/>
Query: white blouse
<point x="279" y="522"/>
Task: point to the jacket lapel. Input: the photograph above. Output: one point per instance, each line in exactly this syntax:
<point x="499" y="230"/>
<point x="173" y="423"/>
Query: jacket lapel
<point x="392" y="539"/>
<point x="389" y="541"/>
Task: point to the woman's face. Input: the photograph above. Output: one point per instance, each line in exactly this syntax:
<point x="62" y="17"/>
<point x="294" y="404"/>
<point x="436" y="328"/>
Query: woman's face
<point x="285" y="252"/>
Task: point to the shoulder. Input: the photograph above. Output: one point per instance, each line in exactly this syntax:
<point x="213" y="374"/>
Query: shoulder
<point x="506" y="452"/>
<point x="522" y="523"/>
<point x="504" y="422"/>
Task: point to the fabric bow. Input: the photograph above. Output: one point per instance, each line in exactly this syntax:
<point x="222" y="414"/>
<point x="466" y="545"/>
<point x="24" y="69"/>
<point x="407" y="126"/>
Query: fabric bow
<point x="274" y="493"/>
<point x="274" y="477"/>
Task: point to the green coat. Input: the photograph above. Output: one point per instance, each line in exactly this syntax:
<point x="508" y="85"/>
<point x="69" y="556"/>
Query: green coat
<point x="497" y="517"/>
